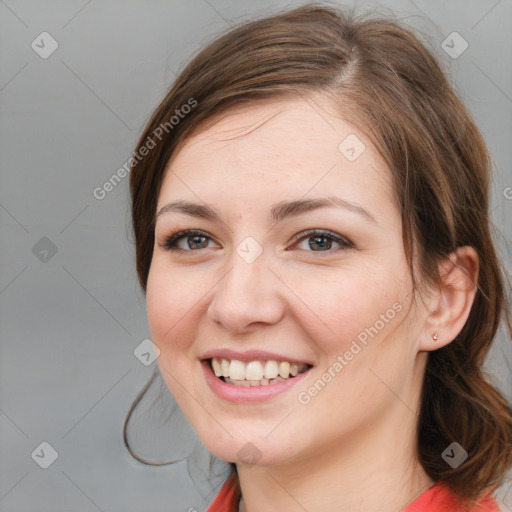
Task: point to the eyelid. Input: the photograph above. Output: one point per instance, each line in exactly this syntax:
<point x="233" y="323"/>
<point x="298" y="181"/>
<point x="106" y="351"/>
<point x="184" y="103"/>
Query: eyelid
<point x="171" y="240"/>
<point x="345" y="242"/>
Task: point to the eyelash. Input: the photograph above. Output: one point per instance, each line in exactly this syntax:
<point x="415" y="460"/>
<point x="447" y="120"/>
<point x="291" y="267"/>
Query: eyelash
<point x="172" y="240"/>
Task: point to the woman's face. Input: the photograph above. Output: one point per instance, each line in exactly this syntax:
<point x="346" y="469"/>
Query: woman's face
<point x="295" y="255"/>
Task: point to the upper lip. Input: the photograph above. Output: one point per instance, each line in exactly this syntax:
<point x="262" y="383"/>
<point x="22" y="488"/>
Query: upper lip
<point x="251" y="355"/>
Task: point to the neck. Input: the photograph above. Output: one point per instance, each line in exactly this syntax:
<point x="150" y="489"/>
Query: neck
<point x="376" y="469"/>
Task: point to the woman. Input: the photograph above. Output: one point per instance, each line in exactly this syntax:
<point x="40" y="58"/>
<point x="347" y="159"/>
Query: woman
<point x="310" y="209"/>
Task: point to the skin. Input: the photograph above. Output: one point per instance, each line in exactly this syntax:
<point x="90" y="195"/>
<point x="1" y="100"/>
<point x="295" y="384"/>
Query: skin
<point x="353" y="445"/>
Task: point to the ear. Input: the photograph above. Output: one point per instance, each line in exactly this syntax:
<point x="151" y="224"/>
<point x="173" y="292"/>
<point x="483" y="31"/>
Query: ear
<point x="450" y="301"/>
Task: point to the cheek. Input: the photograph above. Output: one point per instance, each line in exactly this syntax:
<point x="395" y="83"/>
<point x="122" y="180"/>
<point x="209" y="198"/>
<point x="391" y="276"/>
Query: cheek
<point x="173" y="312"/>
<point x="356" y="325"/>
<point x="172" y="302"/>
<point x="343" y="306"/>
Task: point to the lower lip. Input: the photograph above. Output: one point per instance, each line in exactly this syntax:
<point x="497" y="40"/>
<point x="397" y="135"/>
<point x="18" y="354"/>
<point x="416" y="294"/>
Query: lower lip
<point x="237" y="394"/>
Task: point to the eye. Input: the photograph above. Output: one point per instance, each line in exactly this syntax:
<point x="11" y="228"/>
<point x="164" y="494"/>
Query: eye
<point x="188" y="240"/>
<point x="314" y="240"/>
<point x="321" y="241"/>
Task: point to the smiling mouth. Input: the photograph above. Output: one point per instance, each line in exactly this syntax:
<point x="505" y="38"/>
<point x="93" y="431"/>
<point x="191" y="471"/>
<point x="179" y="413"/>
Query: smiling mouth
<point x="255" y="373"/>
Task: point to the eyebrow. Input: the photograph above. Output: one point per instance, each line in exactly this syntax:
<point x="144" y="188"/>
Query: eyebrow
<point x="278" y="212"/>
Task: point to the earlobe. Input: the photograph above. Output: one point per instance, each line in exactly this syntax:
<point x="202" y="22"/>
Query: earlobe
<point x="451" y="303"/>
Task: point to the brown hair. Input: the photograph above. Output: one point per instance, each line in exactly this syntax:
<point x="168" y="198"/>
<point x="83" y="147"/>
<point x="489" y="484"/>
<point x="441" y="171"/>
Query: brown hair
<point x="391" y="86"/>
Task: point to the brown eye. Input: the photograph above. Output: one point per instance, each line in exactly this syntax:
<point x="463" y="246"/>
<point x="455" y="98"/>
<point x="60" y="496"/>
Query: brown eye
<point x="188" y="240"/>
<point x="322" y="241"/>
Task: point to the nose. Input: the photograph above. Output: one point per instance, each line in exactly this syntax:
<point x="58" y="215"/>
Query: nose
<point x="249" y="296"/>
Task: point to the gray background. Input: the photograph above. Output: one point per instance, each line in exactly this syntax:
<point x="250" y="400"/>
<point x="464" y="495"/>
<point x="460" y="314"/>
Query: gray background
<point x="70" y="321"/>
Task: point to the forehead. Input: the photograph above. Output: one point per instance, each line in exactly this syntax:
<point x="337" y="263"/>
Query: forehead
<point x="295" y="146"/>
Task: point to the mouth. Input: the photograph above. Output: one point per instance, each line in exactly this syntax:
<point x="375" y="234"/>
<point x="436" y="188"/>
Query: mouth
<point x="255" y="373"/>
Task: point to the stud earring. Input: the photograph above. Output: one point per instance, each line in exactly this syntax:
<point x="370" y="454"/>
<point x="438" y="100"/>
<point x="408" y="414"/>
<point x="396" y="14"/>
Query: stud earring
<point x="434" y="337"/>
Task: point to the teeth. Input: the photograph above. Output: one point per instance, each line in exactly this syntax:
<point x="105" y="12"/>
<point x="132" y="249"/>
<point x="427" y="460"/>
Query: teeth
<point x="224" y="364"/>
<point x="255" y="373"/>
<point x="216" y="367"/>
<point x="244" y="383"/>
<point x="237" y="370"/>
<point x="271" y="370"/>
<point x="284" y="369"/>
<point x="247" y="383"/>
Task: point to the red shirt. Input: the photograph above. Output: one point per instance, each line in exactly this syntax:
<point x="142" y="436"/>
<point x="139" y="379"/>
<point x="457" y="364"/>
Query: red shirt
<point x="438" y="498"/>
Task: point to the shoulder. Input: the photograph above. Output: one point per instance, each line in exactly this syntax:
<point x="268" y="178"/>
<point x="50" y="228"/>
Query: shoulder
<point x="228" y="497"/>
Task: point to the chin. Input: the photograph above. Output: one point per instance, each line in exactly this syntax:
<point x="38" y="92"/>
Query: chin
<point x="256" y="451"/>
